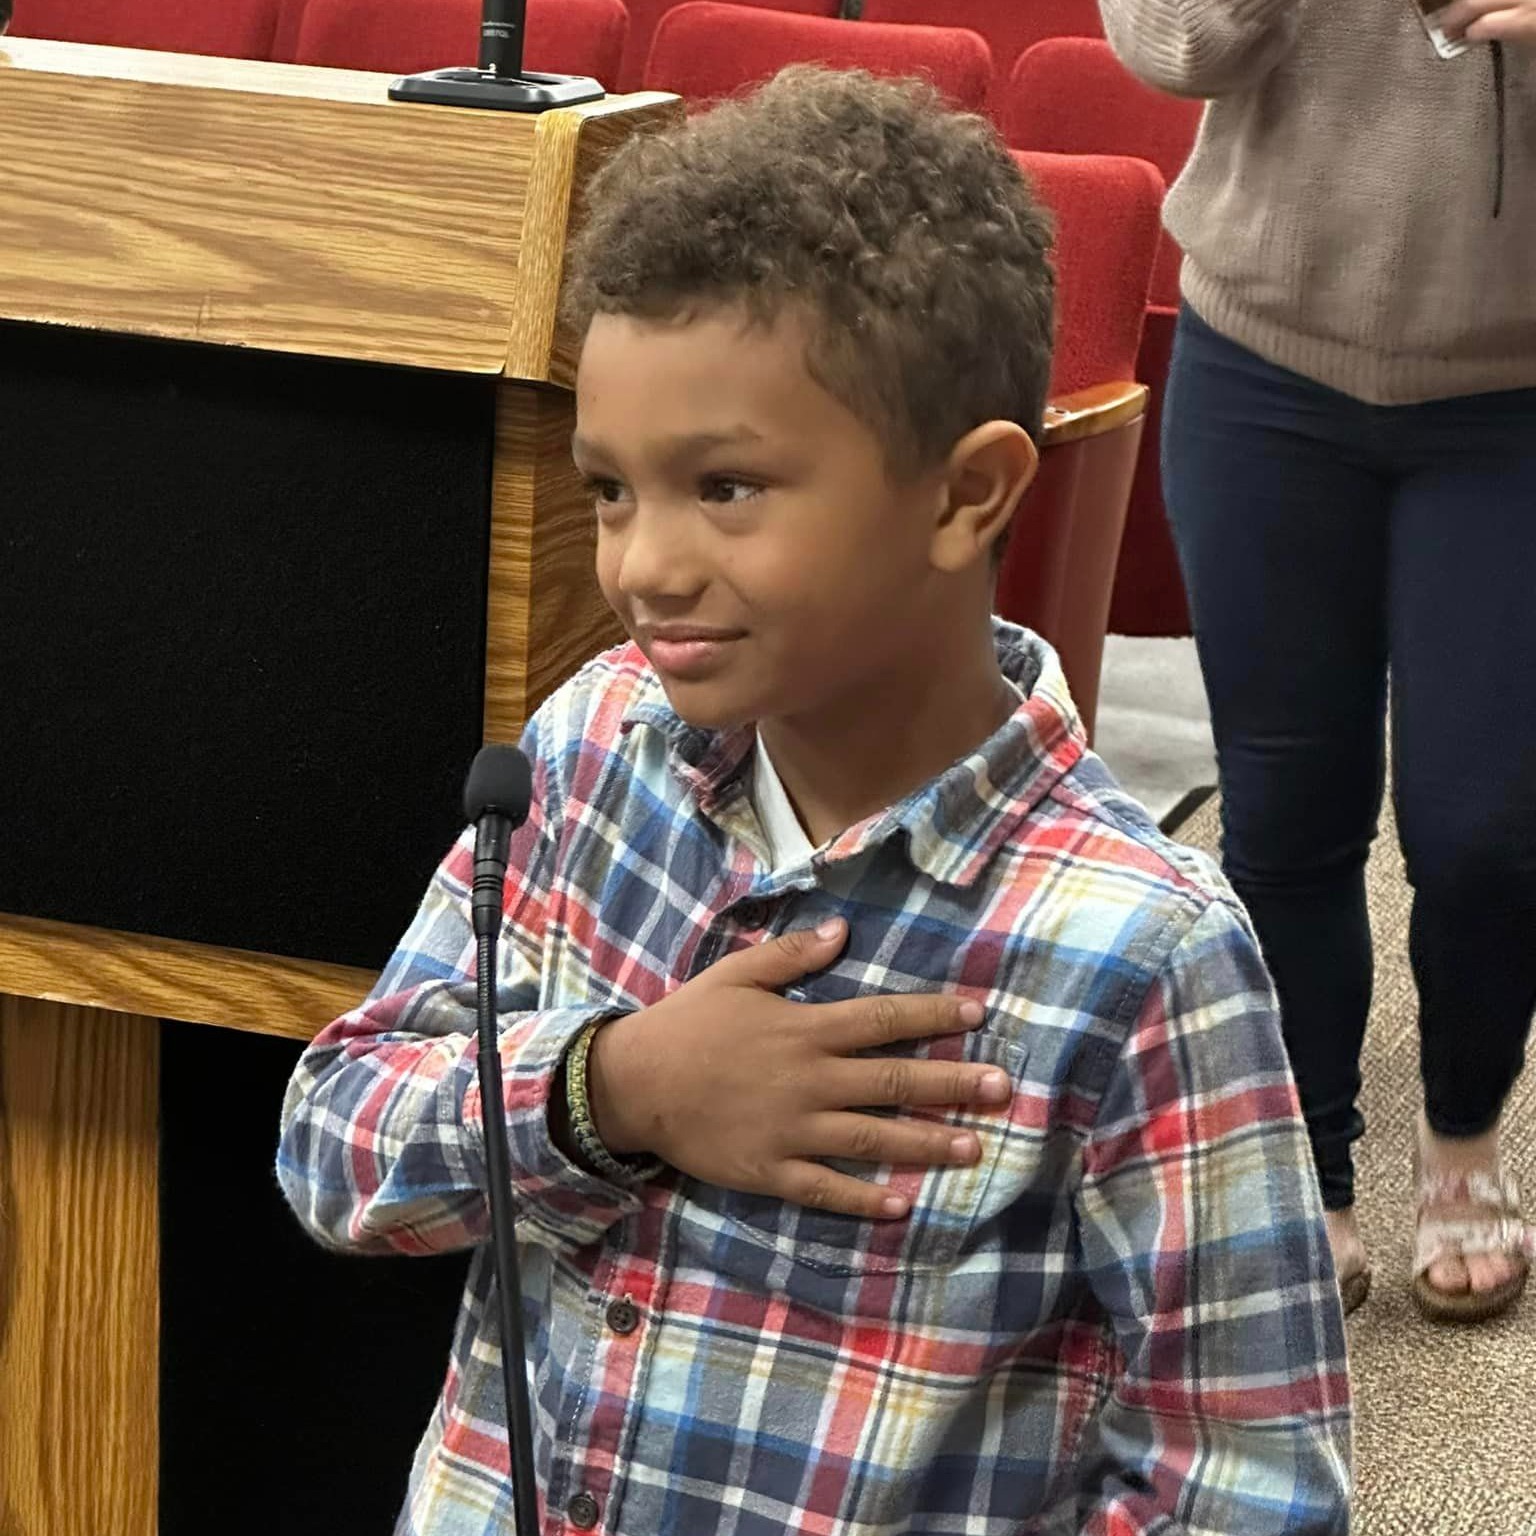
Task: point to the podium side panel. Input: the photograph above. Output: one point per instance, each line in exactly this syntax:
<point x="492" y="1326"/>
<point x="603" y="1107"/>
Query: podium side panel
<point x="79" y="1287"/>
<point x="545" y="615"/>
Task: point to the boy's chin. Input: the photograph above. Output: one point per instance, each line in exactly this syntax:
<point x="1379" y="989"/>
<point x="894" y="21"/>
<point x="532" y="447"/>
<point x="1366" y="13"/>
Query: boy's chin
<point x="707" y="707"/>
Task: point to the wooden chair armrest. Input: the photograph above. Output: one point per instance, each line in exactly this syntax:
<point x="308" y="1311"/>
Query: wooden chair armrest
<point x="1092" y="412"/>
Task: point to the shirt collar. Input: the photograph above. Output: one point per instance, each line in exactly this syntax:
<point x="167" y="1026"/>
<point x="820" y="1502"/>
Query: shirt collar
<point x="955" y="823"/>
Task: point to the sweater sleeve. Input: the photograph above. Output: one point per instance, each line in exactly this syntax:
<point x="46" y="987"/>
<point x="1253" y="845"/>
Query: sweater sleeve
<point x="1201" y="48"/>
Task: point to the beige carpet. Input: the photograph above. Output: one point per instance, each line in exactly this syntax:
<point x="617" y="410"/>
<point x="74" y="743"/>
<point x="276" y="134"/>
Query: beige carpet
<point x="1446" y="1428"/>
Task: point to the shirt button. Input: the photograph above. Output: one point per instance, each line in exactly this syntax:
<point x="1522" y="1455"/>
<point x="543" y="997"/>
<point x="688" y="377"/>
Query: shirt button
<point x="582" y="1511"/>
<point x="624" y="1316"/>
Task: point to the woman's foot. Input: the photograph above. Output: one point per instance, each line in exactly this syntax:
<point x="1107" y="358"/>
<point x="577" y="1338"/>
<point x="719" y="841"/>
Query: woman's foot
<point x="1350" y="1263"/>
<point x="1472" y="1247"/>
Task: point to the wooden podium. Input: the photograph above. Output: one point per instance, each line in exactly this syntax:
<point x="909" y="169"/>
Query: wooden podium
<point x="237" y="209"/>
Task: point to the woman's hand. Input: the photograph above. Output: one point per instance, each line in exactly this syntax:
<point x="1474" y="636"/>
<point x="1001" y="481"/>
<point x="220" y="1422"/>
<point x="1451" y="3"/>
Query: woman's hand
<point x="1491" y="21"/>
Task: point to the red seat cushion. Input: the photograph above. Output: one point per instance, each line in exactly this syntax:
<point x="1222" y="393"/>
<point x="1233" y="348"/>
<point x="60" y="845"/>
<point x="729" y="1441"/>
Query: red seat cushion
<point x="706" y="51"/>
<point x="646" y="15"/>
<point x="233" y="29"/>
<point x="571" y="37"/>
<point x="1106" y="212"/>
<point x="1009" y="26"/>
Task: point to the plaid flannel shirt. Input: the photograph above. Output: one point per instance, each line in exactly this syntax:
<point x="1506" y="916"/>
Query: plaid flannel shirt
<point x="1121" y="1321"/>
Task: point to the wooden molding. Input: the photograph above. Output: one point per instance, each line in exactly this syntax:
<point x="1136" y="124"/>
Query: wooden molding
<point x="569" y="148"/>
<point x="545" y="613"/>
<point x="79" y="1271"/>
<point x="1090" y="412"/>
<point x="174" y="979"/>
<point x="286" y="208"/>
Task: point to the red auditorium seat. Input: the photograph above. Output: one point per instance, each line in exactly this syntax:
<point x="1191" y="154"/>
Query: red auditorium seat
<point x="707" y="50"/>
<point x="234" y="29"/>
<point x="290" y="13"/>
<point x="646" y="15"/>
<point x="1009" y="26"/>
<point x="572" y="37"/>
<point x="1071" y="95"/>
<point x="1059" y="569"/>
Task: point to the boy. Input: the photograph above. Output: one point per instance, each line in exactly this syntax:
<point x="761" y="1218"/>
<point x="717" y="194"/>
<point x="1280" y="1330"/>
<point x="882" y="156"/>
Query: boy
<point x="825" y="839"/>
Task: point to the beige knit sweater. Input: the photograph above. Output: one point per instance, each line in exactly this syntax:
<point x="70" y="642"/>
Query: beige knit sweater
<point x="1338" y="212"/>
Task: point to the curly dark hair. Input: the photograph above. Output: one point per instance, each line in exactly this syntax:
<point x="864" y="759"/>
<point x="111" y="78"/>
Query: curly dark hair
<point x="905" y="228"/>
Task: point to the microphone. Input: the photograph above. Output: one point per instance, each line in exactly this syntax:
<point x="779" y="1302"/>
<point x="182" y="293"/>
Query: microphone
<point x="500" y="82"/>
<point x="497" y="796"/>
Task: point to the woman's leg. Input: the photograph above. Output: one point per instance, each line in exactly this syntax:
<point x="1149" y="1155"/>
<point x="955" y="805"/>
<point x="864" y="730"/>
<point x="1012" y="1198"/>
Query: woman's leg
<point x="1281" y="525"/>
<point x="1463" y="643"/>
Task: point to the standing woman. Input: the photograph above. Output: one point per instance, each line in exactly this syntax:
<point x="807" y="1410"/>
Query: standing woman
<point x="1350" y="470"/>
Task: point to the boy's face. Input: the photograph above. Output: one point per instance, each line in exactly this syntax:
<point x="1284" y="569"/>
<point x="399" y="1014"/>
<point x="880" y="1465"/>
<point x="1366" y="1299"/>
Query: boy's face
<point x="750" y="535"/>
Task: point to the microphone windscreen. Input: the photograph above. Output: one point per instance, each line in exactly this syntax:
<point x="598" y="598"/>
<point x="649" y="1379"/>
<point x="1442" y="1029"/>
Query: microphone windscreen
<point x="500" y="781"/>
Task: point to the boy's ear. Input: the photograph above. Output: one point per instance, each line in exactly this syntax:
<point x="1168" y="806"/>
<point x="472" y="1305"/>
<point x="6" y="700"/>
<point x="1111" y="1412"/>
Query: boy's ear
<point x="989" y="469"/>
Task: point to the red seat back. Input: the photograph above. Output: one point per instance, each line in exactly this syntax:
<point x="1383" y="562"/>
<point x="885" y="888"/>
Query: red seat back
<point x="290" y="13"/>
<point x="645" y="16"/>
<point x="1072" y="96"/>
<point x="572" y="37"/>
<point x="707" y="50"/>
<point x="233" y="29"/>
<point x="1009" y="26"/>
<point x="1059" y="568"/>
<point x="1106" y="209"/>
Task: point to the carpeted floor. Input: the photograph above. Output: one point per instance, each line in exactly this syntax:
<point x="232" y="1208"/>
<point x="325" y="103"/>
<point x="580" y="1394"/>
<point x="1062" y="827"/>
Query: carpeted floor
<point x="1446" y="1436"/>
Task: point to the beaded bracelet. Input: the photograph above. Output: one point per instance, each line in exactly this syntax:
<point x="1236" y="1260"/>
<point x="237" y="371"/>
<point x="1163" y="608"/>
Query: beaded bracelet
<point x="578" y="1104"/>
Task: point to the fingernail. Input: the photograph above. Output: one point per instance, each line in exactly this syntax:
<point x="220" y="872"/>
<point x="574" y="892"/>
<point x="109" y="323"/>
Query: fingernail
<point x="829" y="927"/>
<point x="970" y="1013"/>
<point x="995" y="1087"/>
<point x="963" y="1148"/>
<point x="893" y="1205"/>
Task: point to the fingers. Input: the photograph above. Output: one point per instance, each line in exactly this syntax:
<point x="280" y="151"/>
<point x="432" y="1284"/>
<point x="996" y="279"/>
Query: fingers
<point x="1453" y="19"/>
<point x="1513" y="24"/>
<point x="898" y="1081"/>
<point x="1480" y="21"/>
<point x="867" y="1023"/>
<point x="787" y="958"/>
<point x="902" y="1143"/>
<point x="821" y="1189"/>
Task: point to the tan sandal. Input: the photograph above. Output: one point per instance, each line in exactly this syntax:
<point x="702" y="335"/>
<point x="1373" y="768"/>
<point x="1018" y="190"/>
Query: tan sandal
<point x="1502" y="1230"/>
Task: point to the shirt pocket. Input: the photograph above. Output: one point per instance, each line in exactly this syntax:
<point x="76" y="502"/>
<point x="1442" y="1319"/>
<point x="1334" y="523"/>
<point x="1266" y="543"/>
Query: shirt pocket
<point x="835" y="1262"/>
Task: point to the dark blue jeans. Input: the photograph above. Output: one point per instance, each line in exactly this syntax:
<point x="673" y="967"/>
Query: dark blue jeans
<point x="1328" y="545"/>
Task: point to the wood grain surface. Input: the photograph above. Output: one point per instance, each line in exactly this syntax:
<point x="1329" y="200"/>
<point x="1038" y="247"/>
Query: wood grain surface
<point x="1089" y="412"/>
<point x="291" y="209"/>
<point x="545" y="614"/>
<point x="570" y="148"/>
<point x="79" y="1271"/>
<point x="173" y="979"/>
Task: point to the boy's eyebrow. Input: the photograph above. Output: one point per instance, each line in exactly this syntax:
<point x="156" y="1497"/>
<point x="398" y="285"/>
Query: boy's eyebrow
<point x="676" y="447"/>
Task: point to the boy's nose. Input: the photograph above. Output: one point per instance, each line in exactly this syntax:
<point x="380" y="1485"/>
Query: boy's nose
<point x="657" y="563"/>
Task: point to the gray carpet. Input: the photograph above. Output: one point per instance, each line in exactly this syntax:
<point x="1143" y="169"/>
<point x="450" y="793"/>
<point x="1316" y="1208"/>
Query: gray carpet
<point x="1446" y="1428"/>
<point x="1154" y="728"/>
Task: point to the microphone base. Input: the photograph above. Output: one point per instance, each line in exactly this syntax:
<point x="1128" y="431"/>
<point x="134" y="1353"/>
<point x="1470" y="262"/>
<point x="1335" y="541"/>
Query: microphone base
<point x="527" y="92"/>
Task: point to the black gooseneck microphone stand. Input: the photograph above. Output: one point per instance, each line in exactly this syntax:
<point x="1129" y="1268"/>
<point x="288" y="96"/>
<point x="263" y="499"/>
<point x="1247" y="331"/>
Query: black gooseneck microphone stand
<point x="500" y="82"/>
<point x="496" y="800"/>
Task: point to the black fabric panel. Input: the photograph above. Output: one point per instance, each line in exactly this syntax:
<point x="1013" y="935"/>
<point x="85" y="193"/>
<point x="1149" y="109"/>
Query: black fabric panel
<point x="242" y="603"/>
<point x="294" y="1383"/>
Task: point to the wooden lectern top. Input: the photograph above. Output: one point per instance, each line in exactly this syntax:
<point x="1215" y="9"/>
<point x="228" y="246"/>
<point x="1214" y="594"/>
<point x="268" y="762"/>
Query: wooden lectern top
<point x="290" y="209"/>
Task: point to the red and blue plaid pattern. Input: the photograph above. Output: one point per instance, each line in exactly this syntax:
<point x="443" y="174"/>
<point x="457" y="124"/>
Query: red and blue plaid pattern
<point x="1121" y="1321"/>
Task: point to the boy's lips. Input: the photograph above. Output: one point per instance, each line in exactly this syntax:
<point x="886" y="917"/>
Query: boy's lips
<point x="687" y="651"/>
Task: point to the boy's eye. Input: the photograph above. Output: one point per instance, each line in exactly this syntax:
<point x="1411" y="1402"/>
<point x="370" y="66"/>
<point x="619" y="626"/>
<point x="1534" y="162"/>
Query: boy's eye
<point x="727" y="489"/>
<point x="606" y="493"/>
